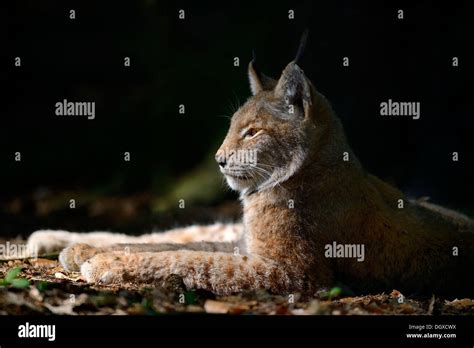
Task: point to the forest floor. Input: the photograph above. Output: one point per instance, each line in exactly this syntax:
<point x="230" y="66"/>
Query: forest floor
<point x="43" y="287"/>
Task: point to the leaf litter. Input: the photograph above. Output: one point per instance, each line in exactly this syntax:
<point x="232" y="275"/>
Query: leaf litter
<point x="53" y="291"/>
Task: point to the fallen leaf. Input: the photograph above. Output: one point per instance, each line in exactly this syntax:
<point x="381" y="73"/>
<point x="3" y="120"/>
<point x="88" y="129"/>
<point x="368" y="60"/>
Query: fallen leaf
<point x="463" y="303"/>
<point x="43" y="263"/>
<point x="395" y="294"/>
<point x="66" y="308"/>
<point x="60" y="275"/>
<point x="216" y="307"/>
<point x="313" y="308"/>
<point x="431" y="305"/>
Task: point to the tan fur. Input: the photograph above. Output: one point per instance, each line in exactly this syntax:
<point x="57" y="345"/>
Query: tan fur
<point x="297" y="198"/>
<point x="49" y="241"/>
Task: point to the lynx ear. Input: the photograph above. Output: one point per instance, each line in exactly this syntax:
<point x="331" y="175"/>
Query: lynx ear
<point x="293" y="88"/>
<point x="258" y="81"/>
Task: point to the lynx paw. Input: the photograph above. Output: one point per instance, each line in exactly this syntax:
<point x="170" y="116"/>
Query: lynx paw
<point x="106" y="268"/>
<point x="48" y="241"/>
<point x="75" y="255"/>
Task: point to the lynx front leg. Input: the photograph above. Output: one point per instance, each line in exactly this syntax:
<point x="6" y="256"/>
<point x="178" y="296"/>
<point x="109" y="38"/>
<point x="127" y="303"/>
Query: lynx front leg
<point x="74" y="256"/>
<point x="221" y="273"/>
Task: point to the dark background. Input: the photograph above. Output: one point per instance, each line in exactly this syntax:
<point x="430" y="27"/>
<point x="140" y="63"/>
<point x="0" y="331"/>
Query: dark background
<point x="191" y="62"/>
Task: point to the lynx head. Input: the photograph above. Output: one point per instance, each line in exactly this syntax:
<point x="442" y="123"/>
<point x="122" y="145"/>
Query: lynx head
<point x="270" y="135"/>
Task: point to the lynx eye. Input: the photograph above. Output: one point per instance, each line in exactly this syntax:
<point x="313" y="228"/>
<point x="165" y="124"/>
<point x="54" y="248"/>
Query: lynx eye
<point x="251" y="132"/>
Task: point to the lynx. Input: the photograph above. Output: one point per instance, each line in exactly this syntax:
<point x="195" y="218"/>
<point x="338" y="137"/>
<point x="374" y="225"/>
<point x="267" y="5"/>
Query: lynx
<point x="298" y="196"/>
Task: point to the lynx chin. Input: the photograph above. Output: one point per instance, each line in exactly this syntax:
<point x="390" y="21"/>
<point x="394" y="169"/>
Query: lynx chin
<point x="298" y="142"/>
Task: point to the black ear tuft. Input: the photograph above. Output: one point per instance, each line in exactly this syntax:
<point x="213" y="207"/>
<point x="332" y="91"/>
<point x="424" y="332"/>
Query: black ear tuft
<point x="255" y="65"/>
<point x="301" y="47"/>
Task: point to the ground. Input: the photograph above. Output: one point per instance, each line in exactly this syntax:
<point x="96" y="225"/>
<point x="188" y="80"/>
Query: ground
<point x="53" y="291"/>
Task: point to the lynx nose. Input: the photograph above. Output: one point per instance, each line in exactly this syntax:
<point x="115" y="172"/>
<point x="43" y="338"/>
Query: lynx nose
<point x="220" y="159"/>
